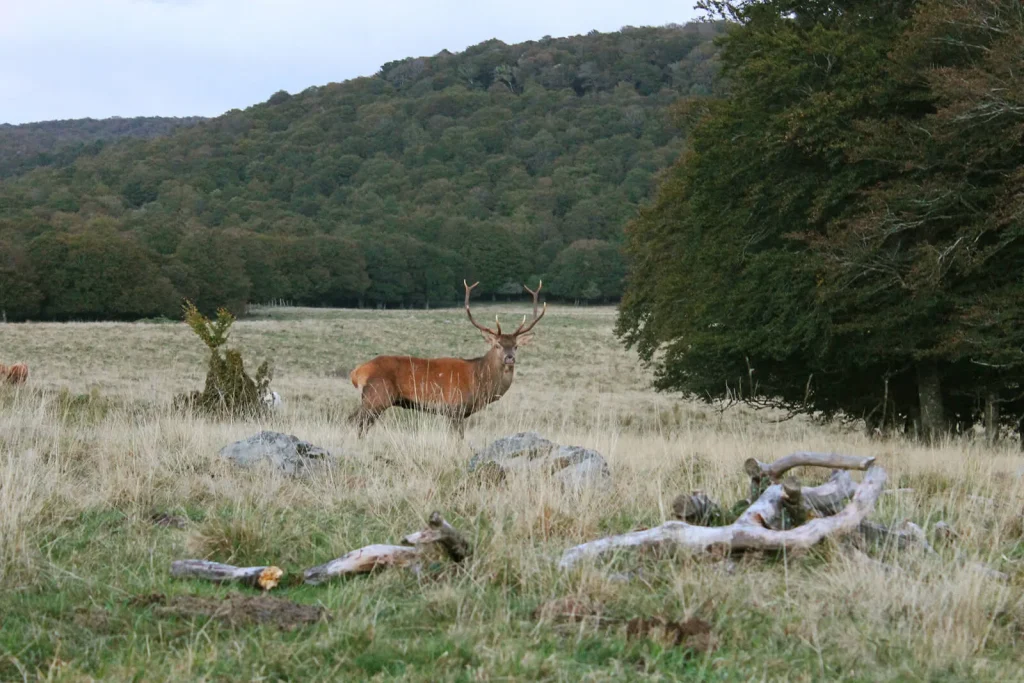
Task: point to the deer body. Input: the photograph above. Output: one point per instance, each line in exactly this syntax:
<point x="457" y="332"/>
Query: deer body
<point x="14" y="374"/>
<point x="453" y="387"/>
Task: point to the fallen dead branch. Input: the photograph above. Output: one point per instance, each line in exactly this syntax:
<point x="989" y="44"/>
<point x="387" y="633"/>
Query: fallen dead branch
<point x="444" y="534"/>
<point x="695" y="508"/>
<point x="363" y="560"/>
<point x="752" y="530"/>
<point x="254" y="577"/>
<point x="831" y="497"/>
<point x="835" y="461"/>
<point x="438" y="532"/>
<point x="909" y="536"/>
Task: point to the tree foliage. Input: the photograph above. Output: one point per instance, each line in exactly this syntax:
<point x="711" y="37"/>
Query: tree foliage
<point x="385" y="191"/>
<point x="59" y="143"/>
<point x="840" y="234"/>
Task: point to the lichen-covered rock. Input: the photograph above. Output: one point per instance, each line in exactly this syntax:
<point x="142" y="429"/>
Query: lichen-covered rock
<point x="284" y="452"/>
<point x="573" y="466"/>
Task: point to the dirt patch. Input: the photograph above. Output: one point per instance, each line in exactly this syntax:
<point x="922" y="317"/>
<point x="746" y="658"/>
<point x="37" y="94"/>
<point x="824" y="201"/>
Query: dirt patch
<point x="236" y="610"/>
<point x="567" y="609"/>
<point x="172" y="521"/>
<point x="692" y="634"/>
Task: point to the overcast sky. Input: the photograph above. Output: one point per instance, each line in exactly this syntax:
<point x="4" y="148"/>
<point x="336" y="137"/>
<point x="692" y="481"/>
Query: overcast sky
<point x="62" y="59"/>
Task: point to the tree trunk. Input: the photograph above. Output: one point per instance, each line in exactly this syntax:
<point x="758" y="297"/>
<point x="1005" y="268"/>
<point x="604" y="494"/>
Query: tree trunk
<point x="991" y="416"/>
<point x="929" y="392"/>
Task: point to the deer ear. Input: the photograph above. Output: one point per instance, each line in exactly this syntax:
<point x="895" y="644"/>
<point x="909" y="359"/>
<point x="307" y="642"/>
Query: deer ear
<point x="524" y="339"/>
<point x="490" y="338"/>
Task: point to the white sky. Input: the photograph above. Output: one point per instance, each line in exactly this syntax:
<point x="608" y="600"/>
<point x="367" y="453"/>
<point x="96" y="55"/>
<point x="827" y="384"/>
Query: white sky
<point x="62" y="59"/>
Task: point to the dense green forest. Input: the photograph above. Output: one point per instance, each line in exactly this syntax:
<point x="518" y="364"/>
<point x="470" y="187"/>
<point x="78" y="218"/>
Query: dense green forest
<point x="58" y="143"/>
<point x="845" y="232"/>
<point x="503" y="164"/>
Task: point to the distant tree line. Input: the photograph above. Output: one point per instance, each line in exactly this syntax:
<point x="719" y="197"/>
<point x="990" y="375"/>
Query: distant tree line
<point x="59" y="143"/>
<point x="503" y="164"/>
<point x="845" y="232"/>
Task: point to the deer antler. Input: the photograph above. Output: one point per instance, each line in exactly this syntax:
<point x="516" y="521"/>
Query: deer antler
<point x="536" y="318"/>
<point x="469" y="288"/>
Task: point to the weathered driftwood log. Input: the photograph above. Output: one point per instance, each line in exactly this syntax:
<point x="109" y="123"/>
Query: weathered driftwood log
<point x="793" y="504"/>
<point x="749" y="531"/>
<point x="255" y="577"/>
<point x="835" y="461"/>
<point x="909" y="536"/>
<point x="364" y="560"/>
<point x="831" y="497"/>
<point x="444" y="534"/>
<point x="372" y="557"/>
<point x="696" y="508"/>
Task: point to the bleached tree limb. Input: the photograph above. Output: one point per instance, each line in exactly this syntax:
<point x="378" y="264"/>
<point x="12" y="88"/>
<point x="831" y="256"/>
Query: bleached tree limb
<point x="748" y="532"/>
<point x="255" y="577"/>
<point x="829" y="498"/>
<point x="363" y="560"/>
<point x="444" y="534"/>
<point x="438" y="532"/>
<point x="774" y="471"/>
<point x="695" y="508"/>
<point x="910" y="535"/>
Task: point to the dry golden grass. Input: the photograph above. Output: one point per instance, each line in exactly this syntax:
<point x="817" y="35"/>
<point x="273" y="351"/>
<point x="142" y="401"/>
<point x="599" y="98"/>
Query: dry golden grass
<point x="90" y="449"/>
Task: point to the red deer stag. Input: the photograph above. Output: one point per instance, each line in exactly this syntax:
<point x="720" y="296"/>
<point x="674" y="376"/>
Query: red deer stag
<point x="453" y="387"/>
<point x="14" y="374"/>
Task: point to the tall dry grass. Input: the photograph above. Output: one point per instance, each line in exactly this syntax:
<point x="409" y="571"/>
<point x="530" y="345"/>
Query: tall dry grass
<point x="93" y="433"/>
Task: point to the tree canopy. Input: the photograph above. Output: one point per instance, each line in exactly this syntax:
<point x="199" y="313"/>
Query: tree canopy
<point x="58" y="143"/>
<point x="843" y="232"/>
<point x="501" y="164"/>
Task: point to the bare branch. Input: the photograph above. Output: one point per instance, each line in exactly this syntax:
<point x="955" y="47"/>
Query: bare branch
<point x="748" y="532"/>
<point x="774" y="472"/>
<point x="255" y="577"/>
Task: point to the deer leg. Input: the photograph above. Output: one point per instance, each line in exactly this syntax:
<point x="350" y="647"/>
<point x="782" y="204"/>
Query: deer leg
<point x="366" y="420"/>
<point x="458" y="424"/>
<point x="375" y="400"/>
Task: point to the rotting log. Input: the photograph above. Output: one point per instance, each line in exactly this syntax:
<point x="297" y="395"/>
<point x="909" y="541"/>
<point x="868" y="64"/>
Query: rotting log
<point x="369" y="558"/>
<point x="823" y="500"/>
<point x="363" y="560"/>
<point x="439" y="531"/>
<point x="755" y="468"/>
<point x="749" y="531"/>
<point x="254" y="577"/>
<point x="909" y="536"/>
<point x="793" y="504"/>
<point x="696" y="508"/>
<point x="831" y="497"/>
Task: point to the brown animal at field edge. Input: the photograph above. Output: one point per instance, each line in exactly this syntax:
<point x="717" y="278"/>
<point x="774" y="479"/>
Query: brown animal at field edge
<point x="14" y="374"/>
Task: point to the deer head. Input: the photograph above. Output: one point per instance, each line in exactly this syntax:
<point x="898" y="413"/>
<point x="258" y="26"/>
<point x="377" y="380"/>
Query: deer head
<point x="505" y="344"/>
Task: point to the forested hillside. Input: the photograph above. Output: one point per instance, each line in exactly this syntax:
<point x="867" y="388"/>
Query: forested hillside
<point x="55" y="143"/>
<point x="501" y="164"/>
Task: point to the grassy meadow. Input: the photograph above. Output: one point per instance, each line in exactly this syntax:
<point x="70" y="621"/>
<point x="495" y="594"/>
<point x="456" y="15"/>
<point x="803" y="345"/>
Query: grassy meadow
<point x="90" y="451"/>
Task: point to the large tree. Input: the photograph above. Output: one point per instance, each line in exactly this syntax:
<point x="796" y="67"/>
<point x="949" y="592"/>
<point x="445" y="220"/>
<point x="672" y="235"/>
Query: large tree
<point x="805" y="251"/>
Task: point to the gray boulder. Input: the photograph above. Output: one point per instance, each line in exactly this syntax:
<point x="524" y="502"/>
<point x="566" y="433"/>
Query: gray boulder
<point x="573" y="466"/>
<point x="283" y="452"/>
